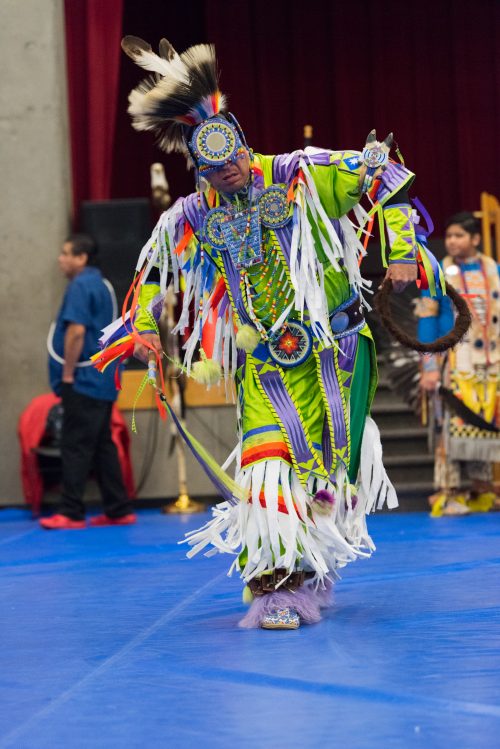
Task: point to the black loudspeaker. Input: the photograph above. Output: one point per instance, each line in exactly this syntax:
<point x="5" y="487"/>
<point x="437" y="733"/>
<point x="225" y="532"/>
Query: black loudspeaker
<point x="120" y="228"/>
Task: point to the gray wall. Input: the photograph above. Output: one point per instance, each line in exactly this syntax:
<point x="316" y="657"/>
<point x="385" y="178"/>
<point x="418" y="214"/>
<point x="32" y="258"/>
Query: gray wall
<point x="214" y="427"/>
<point x="35" y="210"/>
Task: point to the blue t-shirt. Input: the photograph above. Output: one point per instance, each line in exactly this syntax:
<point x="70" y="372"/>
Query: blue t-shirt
<point x="87" y="302"/>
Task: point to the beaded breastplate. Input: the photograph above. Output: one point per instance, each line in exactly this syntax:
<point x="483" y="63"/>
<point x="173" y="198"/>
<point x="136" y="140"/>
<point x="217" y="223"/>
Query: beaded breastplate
<point x="238" y="231"/>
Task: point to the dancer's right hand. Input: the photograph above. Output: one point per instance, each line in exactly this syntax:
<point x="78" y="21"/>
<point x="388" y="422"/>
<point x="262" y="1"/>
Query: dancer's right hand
<point x="430" y="380"/>
<point x="141" y="351"/>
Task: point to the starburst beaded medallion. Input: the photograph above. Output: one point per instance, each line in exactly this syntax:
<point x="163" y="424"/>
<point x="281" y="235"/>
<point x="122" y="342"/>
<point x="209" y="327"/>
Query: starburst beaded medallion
<point x="292" y="346"/>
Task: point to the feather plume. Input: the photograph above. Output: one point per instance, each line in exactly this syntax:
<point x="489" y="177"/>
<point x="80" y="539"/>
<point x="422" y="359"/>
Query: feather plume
<point x="183" y="91"/>
<point x="142" y="54"/>
<point x="166" y="50"/>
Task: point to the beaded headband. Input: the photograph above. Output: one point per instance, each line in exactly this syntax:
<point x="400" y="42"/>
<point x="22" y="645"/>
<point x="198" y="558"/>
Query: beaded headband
<point x="216" y="142"/>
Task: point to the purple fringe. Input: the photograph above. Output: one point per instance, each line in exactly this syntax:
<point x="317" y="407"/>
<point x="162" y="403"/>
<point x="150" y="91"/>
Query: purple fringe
<point x="305" y="602"/>
<point x="324" y="596"/>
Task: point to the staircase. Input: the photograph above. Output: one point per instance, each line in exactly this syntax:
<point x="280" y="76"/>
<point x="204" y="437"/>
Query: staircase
<point x="407" y="459"/>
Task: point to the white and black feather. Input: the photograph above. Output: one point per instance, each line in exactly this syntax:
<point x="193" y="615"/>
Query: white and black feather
<point x="180" y="84"/>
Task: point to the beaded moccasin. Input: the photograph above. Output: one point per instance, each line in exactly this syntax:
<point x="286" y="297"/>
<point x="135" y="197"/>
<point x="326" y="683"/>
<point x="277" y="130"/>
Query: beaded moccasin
<point x="281" y="619"/>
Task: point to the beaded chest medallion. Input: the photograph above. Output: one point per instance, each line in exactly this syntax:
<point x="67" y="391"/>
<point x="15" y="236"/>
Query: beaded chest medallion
<point x="274" y="207"/>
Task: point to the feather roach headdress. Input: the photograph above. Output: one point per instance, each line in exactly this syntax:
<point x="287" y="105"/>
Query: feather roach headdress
<point x="181" y="94"/>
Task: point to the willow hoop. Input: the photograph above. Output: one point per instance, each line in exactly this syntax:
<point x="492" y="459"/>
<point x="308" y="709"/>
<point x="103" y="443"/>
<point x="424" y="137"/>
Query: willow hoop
<point x="462" y="322"/>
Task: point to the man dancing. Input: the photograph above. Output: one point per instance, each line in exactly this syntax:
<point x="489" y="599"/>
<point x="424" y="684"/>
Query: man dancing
<point x="271" y="264"/>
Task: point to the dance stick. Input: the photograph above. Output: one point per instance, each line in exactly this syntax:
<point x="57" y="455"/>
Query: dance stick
<point x="152" y="367"/>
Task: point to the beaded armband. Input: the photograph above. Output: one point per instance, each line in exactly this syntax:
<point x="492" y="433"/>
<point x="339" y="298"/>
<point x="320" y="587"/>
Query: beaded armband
<point x="401" y="233"/>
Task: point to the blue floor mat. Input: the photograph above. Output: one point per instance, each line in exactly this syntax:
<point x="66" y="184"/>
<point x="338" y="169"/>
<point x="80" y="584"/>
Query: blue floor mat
<point x="110" y="638"/>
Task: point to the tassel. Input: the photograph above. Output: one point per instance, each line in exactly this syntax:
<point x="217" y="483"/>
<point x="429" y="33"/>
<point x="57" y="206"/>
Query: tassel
<point x="247" y="595"/>
<point x="247" y="338"/>
<point x="323" y="502"/>
<point x="206" y="371"/>
<point x="122" y="348"/>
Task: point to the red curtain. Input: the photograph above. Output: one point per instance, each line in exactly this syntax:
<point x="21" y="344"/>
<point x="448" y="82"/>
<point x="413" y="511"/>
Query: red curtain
<point x="93" y="33"/>
<point x="428" y="71"/>
<point x="183" y="24"/>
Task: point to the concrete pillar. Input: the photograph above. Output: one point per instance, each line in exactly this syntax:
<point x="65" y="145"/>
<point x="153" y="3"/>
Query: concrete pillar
<point x="34" y="207"/>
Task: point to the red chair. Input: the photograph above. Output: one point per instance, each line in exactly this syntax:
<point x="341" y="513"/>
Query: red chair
<point x="31" y="430"/>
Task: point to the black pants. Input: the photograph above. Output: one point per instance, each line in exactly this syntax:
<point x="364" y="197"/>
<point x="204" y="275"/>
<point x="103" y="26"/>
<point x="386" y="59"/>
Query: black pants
<point x="86" y="444"/>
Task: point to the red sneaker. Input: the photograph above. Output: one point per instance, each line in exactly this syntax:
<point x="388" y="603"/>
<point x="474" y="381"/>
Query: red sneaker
<point x="61" y="523"/>
<point x="101" y="520"/>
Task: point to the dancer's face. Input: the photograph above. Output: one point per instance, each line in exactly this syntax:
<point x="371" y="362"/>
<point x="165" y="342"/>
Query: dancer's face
<point x="459" y="243"/>
<point x="232" y="177"/>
